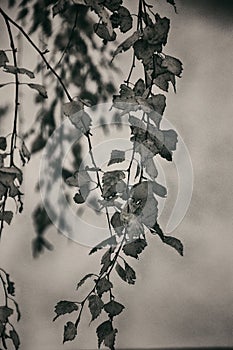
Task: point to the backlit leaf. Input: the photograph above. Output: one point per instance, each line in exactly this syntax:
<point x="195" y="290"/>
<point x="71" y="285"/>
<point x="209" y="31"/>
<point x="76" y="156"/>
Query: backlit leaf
<point x="40" y="89"/>
<point x="135" y="248"/>
<point x="113" y="308"/>
<point x="173" y="65"/>
<point x="127" y="43"/>
<point x="72" y="107"/>
<point x="70" y="331"/>
<point x="64" y="307"/>
<point x="117" y="157"/>
<point x="95" y="306"/>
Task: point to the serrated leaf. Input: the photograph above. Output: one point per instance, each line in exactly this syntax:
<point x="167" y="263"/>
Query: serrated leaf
<point x="103" y="330"/>
<point x="109" y="241"/>
<point x="40" y="89"/>
<point x="59" y="7"/>
<point x="5" y="312"/>
<point x="3" y="58"/>
<point x="81" y="121"/>
<point x="15" y="338"/>
<point x="6" y="216"/>
<point x="70" y="332"/>
<point x="83" y="280"/>
<point x="95" y="306"/>
<point x="109" y="339"/>
<point x="106" y="260"/>
<point x="72" y="107"/>
<point x="64" y="307"/>
<point x="129" y="42"/>
<point x="157" y="34"/>
<point x="117" y="157"/>
<point x="113" y="308"/>
<point x="3" y="143"/>
<point x="125" y="19"/>
<point x="102" y="13"/>
<point x="103" y="285"/>
<point x="135" y="248"/>
<point x="117" y="223"/>
<point x="121" y="272"/>
<point x="130" y="274"/>
<point x="173" y="65"/>
<point x="102" y="31"/>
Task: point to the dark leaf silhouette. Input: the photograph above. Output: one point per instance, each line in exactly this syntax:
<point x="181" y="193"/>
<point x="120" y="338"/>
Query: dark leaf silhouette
<point x="104" y="330"/>
<point x="113" y="308"/>
<point x="172" y="241"/>
<point x="3" y="143"/>
<point x="10" y="285"/>
<point x="109" y="339"/>
<point x="78" y="198"/>
<point x="130" y="274"/>
<point x="6" y="216"/>
<point x="102" y="31"/>
<point x="95" y="306"/>
<point x="135" y="248"/>
<point x="70" y="331"/>
<point x="64" y="307"/>
<point x="117" y="223"/>
<point x="106" y="260"/>
<point x="121" y="272"/>
<point x="103" y="285"/>
<point x="5" y="312"/>
<point x="3" y="58"/>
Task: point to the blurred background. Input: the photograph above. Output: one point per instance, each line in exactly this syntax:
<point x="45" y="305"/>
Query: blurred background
<point x="177" y="301"/>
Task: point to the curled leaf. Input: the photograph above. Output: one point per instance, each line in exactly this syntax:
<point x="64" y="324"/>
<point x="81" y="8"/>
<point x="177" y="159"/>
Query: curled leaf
<point x="64" y="307"/>
<point x="40" y="89"/>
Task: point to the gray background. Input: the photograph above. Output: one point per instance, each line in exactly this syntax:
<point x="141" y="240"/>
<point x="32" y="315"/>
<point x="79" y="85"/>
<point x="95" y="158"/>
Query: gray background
<point x="176" y="301"/>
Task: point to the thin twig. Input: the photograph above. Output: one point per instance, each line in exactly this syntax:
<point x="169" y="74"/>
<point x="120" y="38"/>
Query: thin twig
<point x="41" y="53"/>
<point x="14" y="132"/>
